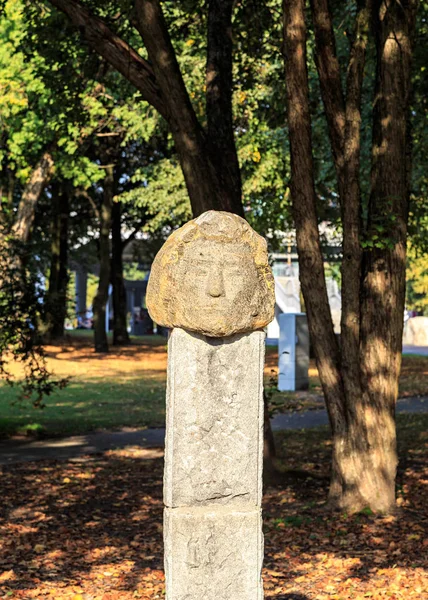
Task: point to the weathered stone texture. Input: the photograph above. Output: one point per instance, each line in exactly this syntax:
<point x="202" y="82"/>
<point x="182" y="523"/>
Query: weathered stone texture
<point x="214" y="420"/>
<point x="212" y="276"/>
<point x="213" y="554"/>
<point x="211" y="283"/>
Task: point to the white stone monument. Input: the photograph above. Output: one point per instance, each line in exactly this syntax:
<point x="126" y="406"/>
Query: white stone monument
<point x="211" y="283"/>
<point x="416" y="332"/>
<point x="293" y="352"/>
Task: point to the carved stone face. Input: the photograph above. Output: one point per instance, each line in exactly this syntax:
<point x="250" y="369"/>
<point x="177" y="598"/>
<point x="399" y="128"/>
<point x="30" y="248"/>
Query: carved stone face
<point x="212" y="277"/>
<point x="218" y="285"/>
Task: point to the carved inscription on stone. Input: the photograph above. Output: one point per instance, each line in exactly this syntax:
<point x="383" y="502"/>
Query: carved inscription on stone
<point x="212" y="285"/>
<point x="214" y="419"/>
<point x="212" y="276"/>
<point x="216" y="554"/>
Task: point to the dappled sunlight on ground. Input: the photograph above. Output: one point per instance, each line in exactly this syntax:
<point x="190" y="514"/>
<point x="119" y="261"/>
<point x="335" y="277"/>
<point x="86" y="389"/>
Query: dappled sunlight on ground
<point x="80" y="360"/>
<point x="91" y="528"/>
<point x="126" y="388"/>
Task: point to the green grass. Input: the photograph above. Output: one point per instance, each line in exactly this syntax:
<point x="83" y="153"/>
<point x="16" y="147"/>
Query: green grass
<point x="86" y="406"/>
<point x="124" y="388"/>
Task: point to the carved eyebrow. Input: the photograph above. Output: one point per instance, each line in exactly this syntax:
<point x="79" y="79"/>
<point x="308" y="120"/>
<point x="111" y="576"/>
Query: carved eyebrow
<point x="200" y="262"/>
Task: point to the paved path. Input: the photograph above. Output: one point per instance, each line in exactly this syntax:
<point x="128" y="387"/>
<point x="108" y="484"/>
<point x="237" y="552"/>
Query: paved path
<point x="12" y="451"/>
<point x="422" y="350"/>
<point x="315" y="418"/>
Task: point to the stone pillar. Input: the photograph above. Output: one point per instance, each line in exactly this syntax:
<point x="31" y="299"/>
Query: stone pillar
<point x="293" y="352"/>
<point x="81" y="291"/>
<point x="212" y="285"/>
<point x="213" y="467"/>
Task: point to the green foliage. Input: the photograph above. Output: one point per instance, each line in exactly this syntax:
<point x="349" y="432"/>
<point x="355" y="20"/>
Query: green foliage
<point x="133" y="272"/>
<point x="381" y="231"/>
<point x="417" y="281"/>
<point x="55" y="89"/>
<point x="161" y="193"/>
<point x="418" y="217"/>
<point x="20" y="312"/>
<point x="291" y="521"/>
<point x="258" y="105"/>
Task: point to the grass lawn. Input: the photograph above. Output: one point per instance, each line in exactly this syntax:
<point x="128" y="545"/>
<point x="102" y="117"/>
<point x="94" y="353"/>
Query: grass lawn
<point x="126" y="388"/>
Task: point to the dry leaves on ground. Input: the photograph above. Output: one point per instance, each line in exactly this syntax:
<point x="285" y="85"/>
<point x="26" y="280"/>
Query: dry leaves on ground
<point x="91" y="529"/>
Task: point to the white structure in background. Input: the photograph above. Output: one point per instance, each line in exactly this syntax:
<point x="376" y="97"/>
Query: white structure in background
<point x="293" y="352"/>
<point x="335" y="301"/>
<point x="287" y="292"/>
<point x="287" y="295"/>
<point x="416" y="332"/>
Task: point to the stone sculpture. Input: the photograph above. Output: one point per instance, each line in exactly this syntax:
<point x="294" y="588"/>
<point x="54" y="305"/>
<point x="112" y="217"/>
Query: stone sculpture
<point x="212" y="276"/>
<point x="211" y="283"/>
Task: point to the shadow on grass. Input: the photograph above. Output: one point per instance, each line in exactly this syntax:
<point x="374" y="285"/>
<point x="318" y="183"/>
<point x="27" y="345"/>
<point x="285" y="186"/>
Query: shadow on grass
<point x="84" y="344"/>
<point x="85" y="406"/>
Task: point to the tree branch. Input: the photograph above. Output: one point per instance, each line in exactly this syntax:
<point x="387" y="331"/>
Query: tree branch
<point x="344" y="123"/>
<point x="329" y="77"/>
<point x="303" y="196"/>
<point x="30" y="196"/>
<point x="84" y="194"/>
<point x="200" y="173"/>
<point x="153" y="29"/>
<point x="384" y="276"/>
<point x="162" y="86"/>
<point x="349" y="189"/>
<point x="219" y="93"/>
<point x="115" y="50"/>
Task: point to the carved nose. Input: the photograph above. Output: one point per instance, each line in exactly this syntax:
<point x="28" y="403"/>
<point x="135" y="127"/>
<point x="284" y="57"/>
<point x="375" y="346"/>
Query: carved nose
<point x="215" y="285"/>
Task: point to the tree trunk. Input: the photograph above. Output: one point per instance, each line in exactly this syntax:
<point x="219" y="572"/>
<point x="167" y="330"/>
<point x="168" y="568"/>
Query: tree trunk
<point x="120" y="331"/>
<point x="269" y="449"/>
<point x="213" y="182"/>
<point x="311" y="265"/>
<point x="384" y="268"/>
<point x="27" y="206"/>
<point x="365" y="463"/>
<point x="56" y="300"/>
<point x="219" y="84"/>
<point x="101" y="298"/>
<point x="361" y="385"/>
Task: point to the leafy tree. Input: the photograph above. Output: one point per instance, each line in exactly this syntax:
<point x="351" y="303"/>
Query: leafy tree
<point x="208" y="156"/>
<point x="359" y="378"/>
<point x="56" y="297"/>
<point x="22" y="359"/>
<point x="211" y="129"/>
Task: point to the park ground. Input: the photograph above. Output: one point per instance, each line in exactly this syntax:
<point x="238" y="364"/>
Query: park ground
<point x="126" y="388"/>
<point x="90" y="528"/>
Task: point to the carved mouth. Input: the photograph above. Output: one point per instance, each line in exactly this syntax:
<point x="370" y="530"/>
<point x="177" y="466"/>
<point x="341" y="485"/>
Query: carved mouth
<point x="215" y="309"/>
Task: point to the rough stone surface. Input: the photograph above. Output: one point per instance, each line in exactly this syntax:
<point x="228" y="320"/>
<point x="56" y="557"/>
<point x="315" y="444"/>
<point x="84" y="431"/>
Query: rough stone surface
<point x="212" y="285"/>
<point x="214" y="420"/>
<point x="212" y="276"/>
<point x="213" y="554"/>
<point x="213" y="467"/>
